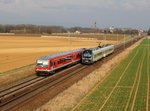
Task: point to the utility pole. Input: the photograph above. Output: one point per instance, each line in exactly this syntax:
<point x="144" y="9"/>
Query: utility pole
<point x="124" y="41"/>
<point x="69" y="40"/>
<point x="39" y="29"/>
<point x="24" y="29"/>
<point x="95" y="27"/>
<point x="117" y="39"/>
<point x="4" y="29"/>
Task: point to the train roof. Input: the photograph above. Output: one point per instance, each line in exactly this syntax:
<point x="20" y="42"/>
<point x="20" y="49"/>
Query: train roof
<point x="59" y="54"/>
<point x="101" y="47"/>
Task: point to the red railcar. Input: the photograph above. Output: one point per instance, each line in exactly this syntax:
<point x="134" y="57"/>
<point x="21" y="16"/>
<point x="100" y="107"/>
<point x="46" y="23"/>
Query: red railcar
<point x="50" y="63"/>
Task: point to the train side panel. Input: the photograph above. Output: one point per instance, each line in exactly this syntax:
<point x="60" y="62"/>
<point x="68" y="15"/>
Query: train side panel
<point x="53" y="63"/>
<point x="98" y="56"/>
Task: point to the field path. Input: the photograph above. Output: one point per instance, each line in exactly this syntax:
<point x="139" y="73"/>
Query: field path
<point x="117" y="83"/>
<point x="131" y="92"/>
<point x="137" y="87"/>
<point x="148" y="86"/>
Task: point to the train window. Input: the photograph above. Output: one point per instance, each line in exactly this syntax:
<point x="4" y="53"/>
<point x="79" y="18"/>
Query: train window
<point x="79" y="55"/>
<point x="51" y="63"/>
<point x="68" y="57"/>
<point x="54" y="63"/>
<point x="100" y="53"/>
<point x="107" y="51"/>
<point x="61" y="60"/>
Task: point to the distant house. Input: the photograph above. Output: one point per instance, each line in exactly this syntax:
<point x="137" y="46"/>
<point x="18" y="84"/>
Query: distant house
<point x="77" y="32"/>
<point x="111" y="29"/>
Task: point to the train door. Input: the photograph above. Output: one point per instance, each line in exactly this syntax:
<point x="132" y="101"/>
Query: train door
<point x="53" y="64"/>
<point x="79" y="55"/>
<point x="73" y="57"/>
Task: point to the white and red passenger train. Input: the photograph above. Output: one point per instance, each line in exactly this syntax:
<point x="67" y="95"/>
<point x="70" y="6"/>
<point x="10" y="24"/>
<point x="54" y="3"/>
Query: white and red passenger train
<point x="49" y="64"/>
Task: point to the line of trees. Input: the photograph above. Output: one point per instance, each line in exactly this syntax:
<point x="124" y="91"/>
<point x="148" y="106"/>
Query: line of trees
<point x="148" y="32"/>
<point x="106" y="30"/>
<point x="31" y="29"/>
<point x="126" y="31"/>
<point x="40" y="29"/>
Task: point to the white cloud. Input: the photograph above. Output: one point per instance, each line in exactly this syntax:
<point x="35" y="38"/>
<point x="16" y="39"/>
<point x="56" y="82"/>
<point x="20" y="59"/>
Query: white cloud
<point x="28" y="6"/>
<point x="135" y="4"/>
<point x="6" y="1"/>
<point x="72" y="10"/>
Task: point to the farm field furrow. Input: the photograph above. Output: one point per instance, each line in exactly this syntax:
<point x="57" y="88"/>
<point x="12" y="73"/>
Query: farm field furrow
<point x="21" y="51"/>
<point x="126" y="88"/>
<point x="148" y="84"/>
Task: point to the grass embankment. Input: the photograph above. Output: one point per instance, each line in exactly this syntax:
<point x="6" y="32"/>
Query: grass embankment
<point x="126" y="88"/>
<point x="16" y="74"/>
<point x="10" y="72"/>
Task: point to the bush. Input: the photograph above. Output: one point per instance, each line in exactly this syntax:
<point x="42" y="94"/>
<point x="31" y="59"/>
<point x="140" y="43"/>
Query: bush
<point x="149" y="32"/>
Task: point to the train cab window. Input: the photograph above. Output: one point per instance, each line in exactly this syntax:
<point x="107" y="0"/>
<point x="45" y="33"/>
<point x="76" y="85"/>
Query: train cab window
<point x="39" y="64"/>
<point x="45" y="64"/>
<point x="87" y="54"/>
<point x="42" y="64"/>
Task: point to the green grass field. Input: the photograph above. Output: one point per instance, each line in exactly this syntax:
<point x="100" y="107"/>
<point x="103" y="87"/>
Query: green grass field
<point x="127" y="86"/>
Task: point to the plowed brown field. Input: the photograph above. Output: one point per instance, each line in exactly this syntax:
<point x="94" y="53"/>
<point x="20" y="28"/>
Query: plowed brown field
<point x="21" y="51"/>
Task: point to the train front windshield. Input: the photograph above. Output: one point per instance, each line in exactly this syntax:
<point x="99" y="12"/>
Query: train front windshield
<point x="87" y="54"/>
<point x="42" y="64"/>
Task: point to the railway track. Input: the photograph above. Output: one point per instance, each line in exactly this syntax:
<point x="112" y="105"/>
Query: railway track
<point x="23" y="91"/>
<point x="11" y="94"/>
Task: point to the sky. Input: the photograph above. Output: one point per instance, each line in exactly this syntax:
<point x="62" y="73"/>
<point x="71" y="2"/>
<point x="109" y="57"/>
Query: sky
<point x="84" y="13"/>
